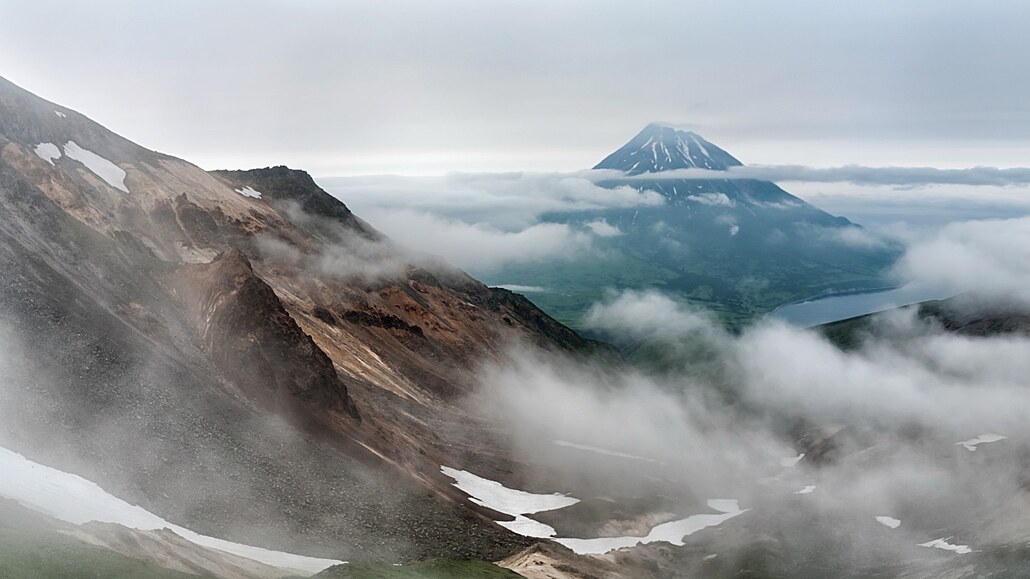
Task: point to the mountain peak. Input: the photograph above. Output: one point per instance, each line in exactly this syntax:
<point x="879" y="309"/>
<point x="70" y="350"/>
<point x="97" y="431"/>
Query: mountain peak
<point x="664" y="147"/>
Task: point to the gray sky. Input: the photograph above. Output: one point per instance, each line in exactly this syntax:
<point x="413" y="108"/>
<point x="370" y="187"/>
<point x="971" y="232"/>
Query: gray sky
<point x="423" y="87"/>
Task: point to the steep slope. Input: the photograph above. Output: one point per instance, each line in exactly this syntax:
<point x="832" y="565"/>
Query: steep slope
<point x="737" y="246"/>
<point x="261" y="366"/>
<point x="35" y="545"/>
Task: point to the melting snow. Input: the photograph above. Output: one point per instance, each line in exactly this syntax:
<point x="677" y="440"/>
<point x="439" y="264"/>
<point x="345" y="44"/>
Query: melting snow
<point x="944" y="544"/>
<point x="112" y="174"/>
<point x="889" y="522"/>
<point x="971" y="444"/>
<point x="48" y="152"/>
<point x="527" y="527"/>
<point x="60" y="114"/>
<point x="602" y="451"/>
<point x="671" y="532"/>
<point x="75" y="500"/>
<point x="807" y="490"/>
<point x="494" y="495"/>
<point x="249" y="192"/>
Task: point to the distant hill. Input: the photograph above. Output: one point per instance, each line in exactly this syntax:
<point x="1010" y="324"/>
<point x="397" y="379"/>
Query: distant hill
<point x="740" y="247"/>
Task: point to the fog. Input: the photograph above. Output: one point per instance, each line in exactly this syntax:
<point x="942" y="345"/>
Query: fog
<point x="881" y="422"/>
<point x="481" y="221"/>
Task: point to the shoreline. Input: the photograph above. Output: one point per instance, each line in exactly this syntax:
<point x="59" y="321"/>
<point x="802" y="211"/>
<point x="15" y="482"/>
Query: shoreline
<point x="836" y="294"/>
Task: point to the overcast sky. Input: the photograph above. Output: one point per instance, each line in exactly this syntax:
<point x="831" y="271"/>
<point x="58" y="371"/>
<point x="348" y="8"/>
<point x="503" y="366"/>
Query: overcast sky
<point x="425" y="87"/>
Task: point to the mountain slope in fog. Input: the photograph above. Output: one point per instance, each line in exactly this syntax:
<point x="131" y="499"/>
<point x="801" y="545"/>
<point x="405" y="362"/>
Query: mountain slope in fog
<point x="237" y="351"/>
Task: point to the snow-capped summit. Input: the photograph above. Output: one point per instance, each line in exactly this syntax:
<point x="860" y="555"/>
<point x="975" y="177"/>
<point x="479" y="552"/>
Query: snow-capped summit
<point x="664" y="147"/>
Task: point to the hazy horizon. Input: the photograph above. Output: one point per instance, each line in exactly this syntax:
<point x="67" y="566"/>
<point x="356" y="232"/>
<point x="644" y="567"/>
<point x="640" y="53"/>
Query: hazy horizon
<point x="426" y="89"/>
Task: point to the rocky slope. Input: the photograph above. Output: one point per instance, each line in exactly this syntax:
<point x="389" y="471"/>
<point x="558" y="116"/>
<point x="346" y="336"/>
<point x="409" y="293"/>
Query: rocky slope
<point x="237" y="351"/>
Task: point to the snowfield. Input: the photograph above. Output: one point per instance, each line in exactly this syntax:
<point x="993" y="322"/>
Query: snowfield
<point x="888" y="522"/>
<point x="518" y="504"/>
<point x="112" y="174"/>
<point x="75" y="500"/>
<point x="48" y="152"/>
<point x="671" y="532"/>
<point x="249" y="192"/>
<point x="972" y="443"/>
<point x="494" y="495"/>
<point x="944" y="544"/>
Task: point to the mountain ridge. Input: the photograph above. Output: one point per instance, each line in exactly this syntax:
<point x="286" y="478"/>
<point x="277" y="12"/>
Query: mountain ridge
<point x="137" y="380"/>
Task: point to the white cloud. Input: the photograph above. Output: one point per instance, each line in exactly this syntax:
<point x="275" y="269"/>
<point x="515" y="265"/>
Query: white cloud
<point x="897" y="176"/>
<point x="478" y="245"/>
<point x="601" y="228"/>
<point x="724" y="418"/>
<point x="506" y="201"/>
<point x="719" y="199"/>
<point x="989" y="257"/>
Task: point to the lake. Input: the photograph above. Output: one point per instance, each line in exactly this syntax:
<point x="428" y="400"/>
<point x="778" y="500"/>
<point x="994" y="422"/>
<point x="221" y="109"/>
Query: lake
<point x="841" y="307"/>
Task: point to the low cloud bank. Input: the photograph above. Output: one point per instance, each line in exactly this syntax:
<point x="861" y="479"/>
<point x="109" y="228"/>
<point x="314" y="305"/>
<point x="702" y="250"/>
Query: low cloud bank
<point x="506" y="201"/>
<point x="990" y="257"/>
<point x="899" y="176"/>
<point x="479" y="245"/>
<point x="883" y="423"/>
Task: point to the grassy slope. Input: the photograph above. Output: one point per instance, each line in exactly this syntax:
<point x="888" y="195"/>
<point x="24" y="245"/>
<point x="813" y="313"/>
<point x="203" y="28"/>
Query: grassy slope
<point x="435" y="569"/>
<point x="51" y="555"/>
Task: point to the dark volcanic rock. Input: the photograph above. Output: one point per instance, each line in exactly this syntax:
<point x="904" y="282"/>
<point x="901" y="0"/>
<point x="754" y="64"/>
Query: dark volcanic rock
<point x="251" y="338"/>
<point x="282" y="184"/>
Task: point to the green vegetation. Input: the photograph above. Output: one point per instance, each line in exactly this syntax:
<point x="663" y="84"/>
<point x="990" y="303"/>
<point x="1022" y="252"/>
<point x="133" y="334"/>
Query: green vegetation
<point x="740" y="259"/>
<point x="51" y="555"/>
<point x="434" y="569"/>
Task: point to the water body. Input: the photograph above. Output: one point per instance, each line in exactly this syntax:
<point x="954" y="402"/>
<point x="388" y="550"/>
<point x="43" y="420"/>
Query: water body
<point x="841" y="307"/>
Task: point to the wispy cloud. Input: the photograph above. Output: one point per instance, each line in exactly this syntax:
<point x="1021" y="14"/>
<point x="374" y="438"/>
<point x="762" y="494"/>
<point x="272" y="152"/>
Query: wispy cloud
<point x="507" y="201"/>
<point x="478" y="245"/>
<point x="856" y="174"/>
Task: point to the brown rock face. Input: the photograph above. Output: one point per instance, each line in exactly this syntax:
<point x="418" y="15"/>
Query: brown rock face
<point x="253" y="341"/>
<point x="207" y="354"/>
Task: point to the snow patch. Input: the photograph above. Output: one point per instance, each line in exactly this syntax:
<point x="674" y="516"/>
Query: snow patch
<point x="527" y="527"/>
<point x="734" y="229"/>
<point x="60" y="114"/>
<point x="493" y="495"/>
<point x="75" y="500"/>
<point x="672" y="532"/>
<point x="944" y="544"/>
<point x="48" y="152"/>
<point x="888" y="522"/>
<point x="112" y="174"/>
<point x="972" y="443"/>
<point x="807" y="490"/>
<point x="249" y="191"/>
